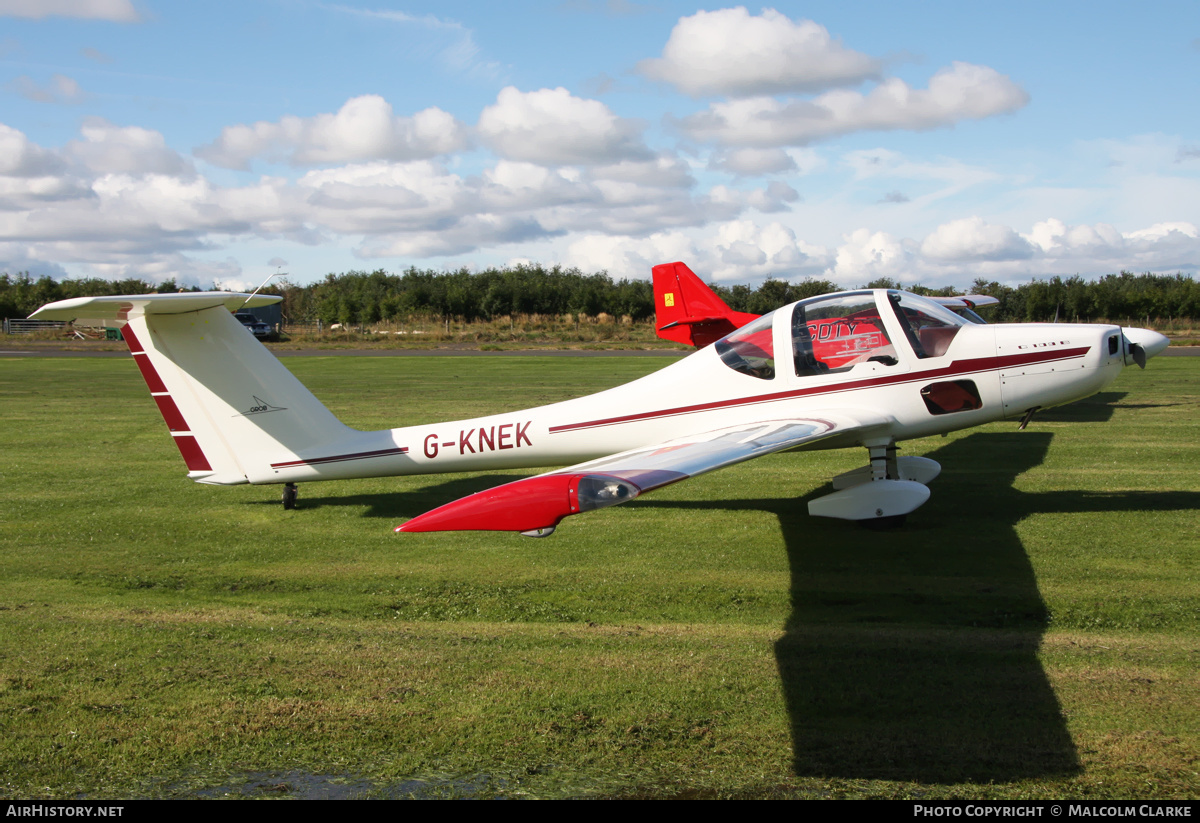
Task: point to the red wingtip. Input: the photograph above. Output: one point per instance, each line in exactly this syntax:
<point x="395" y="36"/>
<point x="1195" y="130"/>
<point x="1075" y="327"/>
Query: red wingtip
<point x="539" y="502"/>
<point x="533" y="503"/>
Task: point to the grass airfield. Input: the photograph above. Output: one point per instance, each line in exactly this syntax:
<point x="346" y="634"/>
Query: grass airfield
<point x="1033" y="632"/>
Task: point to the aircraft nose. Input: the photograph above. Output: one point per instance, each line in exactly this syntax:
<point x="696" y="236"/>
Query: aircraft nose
<point x="1144" y="344"/>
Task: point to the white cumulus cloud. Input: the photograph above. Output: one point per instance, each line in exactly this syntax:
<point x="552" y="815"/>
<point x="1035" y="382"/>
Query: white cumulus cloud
<point x="773" y="198"/>
<point x="20" y="157"/>
<point x="365" y="128"/>
<point x="973" y="239"/>
<point x="959" y="92"/>
<point x="732" y="53"/>
<point x="553" y="127"/>
<point x="1053" y="237"/>
<point x="106" y="149"/>
<point x="1163" y="231"/>
<point x="1158" y="247"/>
<point x="665" y="170"/>
<point x="743" y="249"/>
<point x="630" y="257"/>
<point x="752" y="162"/>
<point x="118" y="201"/>
<point x="866" y="255"/>
<point x="737" y="251"/>
<point x="117" y="11"/>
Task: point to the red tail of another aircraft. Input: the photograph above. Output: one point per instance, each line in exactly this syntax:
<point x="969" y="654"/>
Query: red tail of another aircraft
<point x="687" y="311"/>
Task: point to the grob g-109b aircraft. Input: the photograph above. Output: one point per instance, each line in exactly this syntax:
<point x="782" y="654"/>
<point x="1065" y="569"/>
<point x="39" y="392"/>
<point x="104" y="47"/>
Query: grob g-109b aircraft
<point x="866" y="368"/>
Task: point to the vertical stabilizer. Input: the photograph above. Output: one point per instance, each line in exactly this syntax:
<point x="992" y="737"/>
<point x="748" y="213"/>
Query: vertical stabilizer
<point x="688" y="311"/>
<point x="235" y="412"/>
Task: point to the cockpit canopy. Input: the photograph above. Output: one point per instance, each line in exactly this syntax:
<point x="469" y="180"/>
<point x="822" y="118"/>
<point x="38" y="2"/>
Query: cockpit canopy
<point x="929" y="326"/>
<point x="834" y="333"/>
<point x="751" y="349"/>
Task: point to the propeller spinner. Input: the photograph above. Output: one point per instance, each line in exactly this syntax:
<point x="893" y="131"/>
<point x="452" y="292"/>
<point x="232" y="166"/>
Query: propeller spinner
<point x="1142" y="344"/>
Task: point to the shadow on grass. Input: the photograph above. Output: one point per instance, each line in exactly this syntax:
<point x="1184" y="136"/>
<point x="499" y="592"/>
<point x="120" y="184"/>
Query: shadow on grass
<point x="912" y="654"/>
<point x="1098" y="408"/>
<point x="930" y="672"/>
<point x="398" y="505"/>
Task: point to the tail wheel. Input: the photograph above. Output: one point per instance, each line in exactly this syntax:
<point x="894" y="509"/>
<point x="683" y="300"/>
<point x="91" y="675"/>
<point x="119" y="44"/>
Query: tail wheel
<point x="289" y="495"/>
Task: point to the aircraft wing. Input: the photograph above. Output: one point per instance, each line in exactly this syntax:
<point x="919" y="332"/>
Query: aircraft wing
<point x="112" y="307"/>
<point x="535" y="505"/>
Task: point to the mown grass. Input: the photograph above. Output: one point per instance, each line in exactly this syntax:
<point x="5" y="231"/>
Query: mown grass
<point x="1032" y="632"/>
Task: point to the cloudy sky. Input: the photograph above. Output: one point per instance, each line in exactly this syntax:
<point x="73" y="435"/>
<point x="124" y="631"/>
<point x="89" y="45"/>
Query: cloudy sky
<point x="218" y="142"/>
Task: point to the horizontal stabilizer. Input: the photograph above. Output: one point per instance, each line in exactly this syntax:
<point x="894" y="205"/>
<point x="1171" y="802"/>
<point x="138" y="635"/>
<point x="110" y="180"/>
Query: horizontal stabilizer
<point x="966" y="301"/>
<point x="124" y="306"/>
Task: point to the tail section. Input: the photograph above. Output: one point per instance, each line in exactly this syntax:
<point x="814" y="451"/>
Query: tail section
<point x="235" y="412"/>
<point x="687" y="311"/>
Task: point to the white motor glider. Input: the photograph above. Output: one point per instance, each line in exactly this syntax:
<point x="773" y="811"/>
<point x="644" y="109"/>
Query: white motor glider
<point x="862" y="368"/>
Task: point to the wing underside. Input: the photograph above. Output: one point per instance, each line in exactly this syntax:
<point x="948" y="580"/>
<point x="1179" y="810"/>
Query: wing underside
<point x="536" y="504"/>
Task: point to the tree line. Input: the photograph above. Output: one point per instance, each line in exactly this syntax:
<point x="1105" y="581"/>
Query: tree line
<point x="1122" y="296"/>
<point x="362" y="298"/>
<point x="368" y="297"/>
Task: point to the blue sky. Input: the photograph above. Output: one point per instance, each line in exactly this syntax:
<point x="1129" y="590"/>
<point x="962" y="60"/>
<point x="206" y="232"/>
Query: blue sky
<point x="934" y="143"/>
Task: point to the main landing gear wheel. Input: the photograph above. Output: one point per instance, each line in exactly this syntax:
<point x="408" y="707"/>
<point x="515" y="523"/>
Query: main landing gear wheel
<point x="880" y="495"/>
<point x="289" y="495"/>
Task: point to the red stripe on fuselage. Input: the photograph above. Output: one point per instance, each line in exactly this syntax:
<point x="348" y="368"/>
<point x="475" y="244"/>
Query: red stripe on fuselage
<point x="955" y="368"/>
<point x="311" y="461"/>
